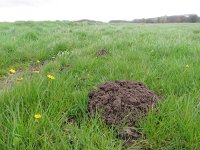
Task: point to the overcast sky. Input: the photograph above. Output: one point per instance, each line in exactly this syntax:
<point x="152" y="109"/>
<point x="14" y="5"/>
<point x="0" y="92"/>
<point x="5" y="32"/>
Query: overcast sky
<point x="103" y="10"/>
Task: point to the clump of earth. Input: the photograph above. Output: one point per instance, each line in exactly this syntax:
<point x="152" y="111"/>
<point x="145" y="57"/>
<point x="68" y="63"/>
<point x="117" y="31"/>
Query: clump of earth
<point x="102" y="52"/>
<point x="122" y="103"/>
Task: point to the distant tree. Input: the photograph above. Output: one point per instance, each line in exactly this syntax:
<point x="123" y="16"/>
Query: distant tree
<point x="193" y="18"/>
<point x="165" y="19"/>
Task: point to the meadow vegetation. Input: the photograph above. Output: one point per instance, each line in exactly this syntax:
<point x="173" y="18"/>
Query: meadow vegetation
<point x="44" y="104"/>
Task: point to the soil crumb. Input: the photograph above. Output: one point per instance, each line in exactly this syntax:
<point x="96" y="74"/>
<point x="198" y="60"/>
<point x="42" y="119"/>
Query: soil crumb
<point x="102" y="52"/>
<point x="64" y="67"/>
<point x="122" y="103"/>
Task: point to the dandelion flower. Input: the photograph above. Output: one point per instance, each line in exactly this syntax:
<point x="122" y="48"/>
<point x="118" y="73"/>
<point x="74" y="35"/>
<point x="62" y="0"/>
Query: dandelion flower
<point x="12" y="71"/>
<point x="37" y="116"/>
<point x="51" y="77"/>
<point x="38" y="61"/>
<point x="187" y="66"/>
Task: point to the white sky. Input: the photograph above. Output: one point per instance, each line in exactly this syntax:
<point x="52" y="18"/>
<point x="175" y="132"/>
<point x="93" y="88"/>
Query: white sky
<point x="103" y="10"/>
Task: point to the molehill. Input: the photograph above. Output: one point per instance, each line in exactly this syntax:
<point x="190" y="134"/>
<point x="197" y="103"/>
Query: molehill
<point x="122" y="102"/>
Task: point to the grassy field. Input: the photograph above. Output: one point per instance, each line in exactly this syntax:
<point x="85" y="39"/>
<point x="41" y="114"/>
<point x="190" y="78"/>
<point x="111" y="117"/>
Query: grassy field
<point x="166" y="57"/>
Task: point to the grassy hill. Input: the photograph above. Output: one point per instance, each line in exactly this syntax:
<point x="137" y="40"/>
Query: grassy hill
<point x="166" y="57"/>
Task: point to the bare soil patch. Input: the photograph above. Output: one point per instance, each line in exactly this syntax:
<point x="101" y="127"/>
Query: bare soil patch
<point x="102" y="52"/>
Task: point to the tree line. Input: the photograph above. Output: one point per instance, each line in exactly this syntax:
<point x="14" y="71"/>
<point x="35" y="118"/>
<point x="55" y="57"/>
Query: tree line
<point x="190" y="18"/>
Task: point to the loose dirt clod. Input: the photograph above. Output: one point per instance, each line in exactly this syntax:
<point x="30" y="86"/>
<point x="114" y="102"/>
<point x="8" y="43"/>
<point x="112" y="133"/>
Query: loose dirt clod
<point x="122" y="102"/>
<point x="63" y="67"/>
<point x="102" y="52"/>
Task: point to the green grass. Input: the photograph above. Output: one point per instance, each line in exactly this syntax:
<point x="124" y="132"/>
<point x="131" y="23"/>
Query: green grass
<point x="154" y="54"/>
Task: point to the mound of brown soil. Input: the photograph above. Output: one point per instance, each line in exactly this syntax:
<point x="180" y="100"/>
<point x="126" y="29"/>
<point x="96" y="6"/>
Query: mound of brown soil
<point x="121" y="102"/>
<point x="102" y="52"/>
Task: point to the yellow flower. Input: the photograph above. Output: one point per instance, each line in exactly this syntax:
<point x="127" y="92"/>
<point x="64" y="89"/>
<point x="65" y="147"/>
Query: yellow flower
<point x="38" y="61"/>
<point x="51" y="77"/>
<point x="187" y="66"/>
<point x="12" y="71"/>
<point x="36" y="71"/>
<point x="19" y="79"/>
<point x="37" y="116"/>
